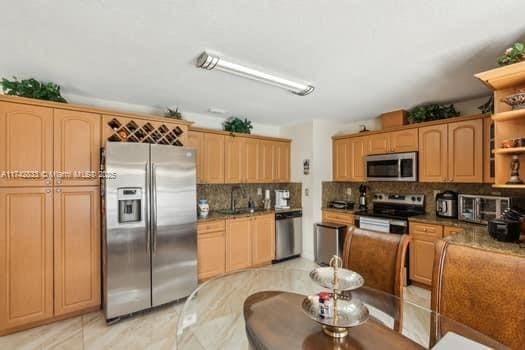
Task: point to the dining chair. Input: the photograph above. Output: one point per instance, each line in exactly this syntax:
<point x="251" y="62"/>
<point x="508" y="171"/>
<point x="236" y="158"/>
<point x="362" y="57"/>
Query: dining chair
<point x="380" y="259"/>
<point x="484" y="290"/>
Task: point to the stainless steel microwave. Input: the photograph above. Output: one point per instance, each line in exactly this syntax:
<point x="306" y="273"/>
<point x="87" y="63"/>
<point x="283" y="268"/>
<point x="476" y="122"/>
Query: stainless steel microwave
<point x="391" y="167"/>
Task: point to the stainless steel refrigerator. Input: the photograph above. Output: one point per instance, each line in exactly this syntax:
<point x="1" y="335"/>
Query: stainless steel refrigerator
<point x="150" y="236"/>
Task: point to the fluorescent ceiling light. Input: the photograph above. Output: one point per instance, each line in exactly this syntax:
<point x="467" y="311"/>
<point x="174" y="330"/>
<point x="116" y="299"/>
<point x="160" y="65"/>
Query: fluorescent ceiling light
<point x="210" y="61"/>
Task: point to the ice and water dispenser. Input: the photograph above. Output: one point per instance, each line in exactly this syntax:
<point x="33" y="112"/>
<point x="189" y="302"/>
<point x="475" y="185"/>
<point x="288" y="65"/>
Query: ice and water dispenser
<point x="129" y="204"/>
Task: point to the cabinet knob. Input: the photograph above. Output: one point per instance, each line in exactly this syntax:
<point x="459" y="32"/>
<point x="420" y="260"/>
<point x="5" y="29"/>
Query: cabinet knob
<point x="47" y="182"/>
<point x="59" y="181"/>
<point x="48" y="190"/>
<point x="425" y="229"/>
<point x="59" y="190"/>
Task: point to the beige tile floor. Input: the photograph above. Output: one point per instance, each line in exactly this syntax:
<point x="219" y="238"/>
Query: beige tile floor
<point x="150" y="330"/>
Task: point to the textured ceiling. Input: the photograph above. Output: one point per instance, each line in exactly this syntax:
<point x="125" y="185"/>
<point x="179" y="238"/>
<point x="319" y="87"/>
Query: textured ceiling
<point x="364" y="57"/>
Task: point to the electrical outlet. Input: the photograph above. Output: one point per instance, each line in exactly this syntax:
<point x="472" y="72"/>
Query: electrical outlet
<point x="349" y="192"/>
<point x="306" y="192"/>
<point x="435" y="193"/>
<point x="259" y="191"/>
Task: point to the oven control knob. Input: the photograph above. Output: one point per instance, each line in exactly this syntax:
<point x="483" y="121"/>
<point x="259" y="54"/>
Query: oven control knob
<point x="413" y="199"/>
<point x="419" y="199"/>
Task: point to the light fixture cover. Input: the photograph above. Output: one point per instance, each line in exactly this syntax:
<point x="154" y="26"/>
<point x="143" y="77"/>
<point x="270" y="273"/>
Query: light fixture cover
<point x="211" y="61"/>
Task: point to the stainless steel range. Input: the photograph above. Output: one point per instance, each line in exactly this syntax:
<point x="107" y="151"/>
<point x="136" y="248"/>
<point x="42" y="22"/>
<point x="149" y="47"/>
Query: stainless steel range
<point x="390" y="212"/>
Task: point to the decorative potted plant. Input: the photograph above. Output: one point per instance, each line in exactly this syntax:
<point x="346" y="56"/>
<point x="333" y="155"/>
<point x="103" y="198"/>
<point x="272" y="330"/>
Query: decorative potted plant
<point x="239" y="125"/>
<point x="173" y="114"/>
<point x="32" y="88"/>
<point x="431" y="112"/>
<point x="514" y="54"/>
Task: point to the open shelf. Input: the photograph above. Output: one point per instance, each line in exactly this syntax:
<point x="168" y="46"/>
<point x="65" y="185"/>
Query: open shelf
<point x="510" y="115"/>
<point x="509" y="186"/>
<point x="503" y="77"/>
<point x="513" y="150"/>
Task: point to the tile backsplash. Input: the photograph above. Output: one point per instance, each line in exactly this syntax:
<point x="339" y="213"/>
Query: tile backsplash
<point x="218" y="195"/>
<point x="338" y="191"/>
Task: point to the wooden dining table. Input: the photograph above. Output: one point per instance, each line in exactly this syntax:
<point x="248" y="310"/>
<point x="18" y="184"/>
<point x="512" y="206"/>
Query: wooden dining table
<point x="261" y="309"/>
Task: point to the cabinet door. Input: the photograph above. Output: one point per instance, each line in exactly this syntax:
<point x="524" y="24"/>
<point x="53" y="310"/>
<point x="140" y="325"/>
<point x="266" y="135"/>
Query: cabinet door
<point x="404" y="140"/>
<point x="195" y="140"/>
<point x="341" y="159"/>
<point x="234" y="157"/>
<point x="265" y="161"/>
<point x="421" y="259"/>
<point x="26" y="264"/>
<point x="77" y="249"/>
<point x="433" y="153"/>
<point x="238" y="244"/>
<point x="211" y="254"/>
<point x="263" y="239"/>
<point x="76" y="147"/>
<point x="281" y="161"/>
<point x="251" y="160"/>
<point x="379" y="143"/>
<point x="358" y="147"/>
<point x="465" y="147"/>
<point x="26" y="144"/>
<point x="213" y="158"/>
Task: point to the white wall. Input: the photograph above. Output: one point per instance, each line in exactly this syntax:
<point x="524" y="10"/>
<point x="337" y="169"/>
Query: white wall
<point x="204" y="120"/>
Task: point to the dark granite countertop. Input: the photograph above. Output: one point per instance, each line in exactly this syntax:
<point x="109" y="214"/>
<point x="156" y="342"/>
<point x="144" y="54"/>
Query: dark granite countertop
<point x="476" y="236"/>
<point x="344" y="211"/>
<point x="218" y="215"/>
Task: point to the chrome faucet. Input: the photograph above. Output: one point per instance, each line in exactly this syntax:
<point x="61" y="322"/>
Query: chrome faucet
<point x="232" y="200"/>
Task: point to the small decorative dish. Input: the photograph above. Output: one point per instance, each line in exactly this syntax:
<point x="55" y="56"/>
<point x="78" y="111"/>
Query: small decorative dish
<point x="345" y="280"/>
<point x="510" y="143"/>
<point x="346" y="312"/>
<point x="516" y="101"/>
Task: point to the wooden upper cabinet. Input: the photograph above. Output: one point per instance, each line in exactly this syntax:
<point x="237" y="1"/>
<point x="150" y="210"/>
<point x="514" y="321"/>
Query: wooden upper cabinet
<point x="195" y="140"/>
<point x="238" y="244"/>
<point x="358" y="151"/>
<point x="76" y="249"/>
<point x="76" y="147"/>
<point x="251" y="160"/>
<point x="465" y="147"/>
<point x="234" y="160"/>
<point x="379" y="143"/>
<point x="26" y="144"/>
<point x="213" y="158"/>
<point x="266" y="165"/>
<point x="341" y="159"/>
<point x="26" y="263"/>
<point x="404" y="140"/>
<point x="433" y="153"/>
<point x="281" y="157"/>
<point x="263" y="239"/>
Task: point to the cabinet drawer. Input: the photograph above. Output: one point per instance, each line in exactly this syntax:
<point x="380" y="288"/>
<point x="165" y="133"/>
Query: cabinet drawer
<point x="211" y="226"/>
<point x="451" y="230"/>
<point x="338" y="217"/>
<point x="420" y="229"/>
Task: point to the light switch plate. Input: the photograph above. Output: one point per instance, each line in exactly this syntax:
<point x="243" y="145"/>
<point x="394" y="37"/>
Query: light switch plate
<point x="349" y="192"/>
<point x="307" y="192"/>
<point x="259" y="191"/>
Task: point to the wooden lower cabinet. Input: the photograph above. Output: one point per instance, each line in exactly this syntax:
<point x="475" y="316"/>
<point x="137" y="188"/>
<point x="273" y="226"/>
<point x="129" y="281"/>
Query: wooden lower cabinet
<point x="26" y="257"/>
<point x="263" y="239"/>
<point x="423" y="238"/>
<point x="50" y="254"/>
<point x="77" y="249"/>
<point x="211" y="249"/>
<point x="238" y="244"/>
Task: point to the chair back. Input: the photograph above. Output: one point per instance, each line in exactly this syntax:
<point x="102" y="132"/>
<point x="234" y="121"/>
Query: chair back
<point x="378" y="257"/>
<point x="482" y="289"/>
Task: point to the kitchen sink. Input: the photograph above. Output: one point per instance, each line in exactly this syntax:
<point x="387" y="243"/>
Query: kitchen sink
<point x="236" y="211"/>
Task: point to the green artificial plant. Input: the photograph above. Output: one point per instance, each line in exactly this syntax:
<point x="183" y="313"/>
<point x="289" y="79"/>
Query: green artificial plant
<point x="514" y="54"/>
<point x="32" y="88"/>
<point x="431" y="112"/>
<point x="235" y="124"/>
<point x="174" y="114"/>
<point x="487" y="107"/>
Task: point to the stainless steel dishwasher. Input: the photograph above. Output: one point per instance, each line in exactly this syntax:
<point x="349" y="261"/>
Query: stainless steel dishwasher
<point x="288" y="234"/>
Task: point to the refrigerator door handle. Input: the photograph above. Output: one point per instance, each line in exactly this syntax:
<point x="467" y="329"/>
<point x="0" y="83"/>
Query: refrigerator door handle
<point x="154" y="205"/>
<point x="147" y="209"/>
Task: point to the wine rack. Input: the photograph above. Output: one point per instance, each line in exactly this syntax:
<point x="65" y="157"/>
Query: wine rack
<point x="120" y="129"/>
